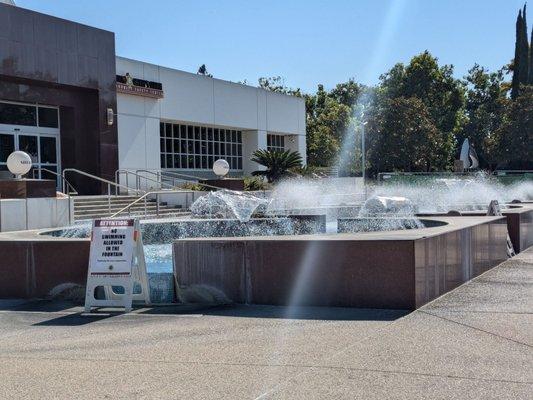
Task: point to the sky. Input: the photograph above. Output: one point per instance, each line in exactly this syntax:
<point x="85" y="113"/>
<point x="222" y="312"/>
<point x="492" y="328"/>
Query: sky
<point x="306" y="42"/>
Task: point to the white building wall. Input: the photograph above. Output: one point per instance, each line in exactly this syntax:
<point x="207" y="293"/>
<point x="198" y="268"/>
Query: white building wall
<point x="200" y="100"/>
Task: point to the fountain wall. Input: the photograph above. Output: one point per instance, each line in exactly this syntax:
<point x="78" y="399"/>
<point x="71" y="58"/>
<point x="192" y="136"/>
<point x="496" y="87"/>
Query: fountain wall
<point x="397" y="269"/>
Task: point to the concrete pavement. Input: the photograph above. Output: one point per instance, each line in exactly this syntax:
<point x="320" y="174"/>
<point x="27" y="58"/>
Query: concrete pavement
<point x="473" y="343"/>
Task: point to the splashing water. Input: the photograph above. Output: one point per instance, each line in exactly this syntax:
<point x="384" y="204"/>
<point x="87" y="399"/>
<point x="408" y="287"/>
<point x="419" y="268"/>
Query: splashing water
<point x="227" y="204"/>
<point x="461" y="194"/>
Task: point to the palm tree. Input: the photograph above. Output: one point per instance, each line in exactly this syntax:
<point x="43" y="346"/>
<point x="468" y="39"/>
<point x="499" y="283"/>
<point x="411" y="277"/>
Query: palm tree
<point x="278" y="163"/>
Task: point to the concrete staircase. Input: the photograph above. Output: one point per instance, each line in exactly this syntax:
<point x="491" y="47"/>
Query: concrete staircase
<point x="90" y="207"/>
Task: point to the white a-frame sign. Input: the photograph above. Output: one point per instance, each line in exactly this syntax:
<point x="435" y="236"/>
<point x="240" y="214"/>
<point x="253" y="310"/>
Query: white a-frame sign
<point x="116" y="260"/>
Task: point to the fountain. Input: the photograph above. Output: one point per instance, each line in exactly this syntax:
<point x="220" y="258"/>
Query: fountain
<point x="310" y="242"/>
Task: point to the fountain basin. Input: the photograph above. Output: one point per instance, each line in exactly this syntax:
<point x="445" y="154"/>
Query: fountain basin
<point x="519" y="222"/>
<point x="34" y="262"/>
<point x="393" y="269"/>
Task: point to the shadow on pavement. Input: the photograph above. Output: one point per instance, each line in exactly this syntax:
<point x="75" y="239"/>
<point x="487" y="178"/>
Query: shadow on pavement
<point x="71" y="313"/>
<point x="76" y="319"/>
<point x="259" y="311"/>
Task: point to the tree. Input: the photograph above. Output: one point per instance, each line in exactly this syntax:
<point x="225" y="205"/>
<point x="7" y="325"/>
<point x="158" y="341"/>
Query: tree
<point x="347" y="93"/>
<point x="277" y="84"/>
<point x="322" y="147"/>
<point x="530" y="74"/>
<point x="405" y="138"/>
<point x="434" y="86"/>
<point x="520" y="65"/>
<point x="202" y="70"/>
<point x="486" y="101"/>
<point x="512" y="143"/>
<point x="278" y="163"/>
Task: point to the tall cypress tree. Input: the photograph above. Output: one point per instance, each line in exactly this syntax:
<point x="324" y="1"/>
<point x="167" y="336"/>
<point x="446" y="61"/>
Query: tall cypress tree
<point x="530" y="80"/>
<point x="521" y="54"/>
<point x="515" y="88"/>
<point x="524" y="48"/>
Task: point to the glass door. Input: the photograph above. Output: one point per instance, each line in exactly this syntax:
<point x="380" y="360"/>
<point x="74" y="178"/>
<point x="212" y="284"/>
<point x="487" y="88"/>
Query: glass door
<point x="48" y="149"/>
<point x="7" y="146"/>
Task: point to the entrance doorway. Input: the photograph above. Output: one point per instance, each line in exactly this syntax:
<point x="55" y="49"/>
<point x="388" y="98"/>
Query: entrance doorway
<point x="33" y="129"/>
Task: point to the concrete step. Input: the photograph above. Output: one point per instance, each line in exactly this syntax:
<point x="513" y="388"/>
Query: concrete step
<point x="105" y="202"/>
<point x="162" y="214"/>
<point x="132" y="209"/>
<point x="121" y="206"/>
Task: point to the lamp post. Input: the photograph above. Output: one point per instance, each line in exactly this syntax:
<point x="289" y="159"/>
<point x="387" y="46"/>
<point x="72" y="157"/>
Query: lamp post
<point x="363" y="148"/>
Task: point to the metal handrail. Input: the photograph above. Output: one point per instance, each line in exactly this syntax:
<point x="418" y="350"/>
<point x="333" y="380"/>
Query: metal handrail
<point x="144" y="197"/>
<point x="108" y="182"/>
<point x="138" y="177"/>
<point x="179" y="175"/>
<point x="63" y="181"/>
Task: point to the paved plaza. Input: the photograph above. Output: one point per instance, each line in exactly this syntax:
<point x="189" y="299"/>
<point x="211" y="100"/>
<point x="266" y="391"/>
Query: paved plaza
<point x="473" y="343"/>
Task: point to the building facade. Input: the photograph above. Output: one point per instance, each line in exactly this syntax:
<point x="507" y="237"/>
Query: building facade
<point x="70" y="102"/>
<point x="186" y="121"/>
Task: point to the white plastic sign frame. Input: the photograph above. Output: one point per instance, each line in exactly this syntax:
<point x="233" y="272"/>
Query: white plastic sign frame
<point x="116" y="259"/>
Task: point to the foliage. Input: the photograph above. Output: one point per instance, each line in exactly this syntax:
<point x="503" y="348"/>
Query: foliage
<point x="419" y="114"/>
<point x="486" y="101"/>
<point x="442" y="97"/>
<point x="512" y="143"/>
<point x="254" y="183"/>
<point x="202" y="70"/>
<point x="277" y="84"/>
<point x="310" y="171"/>
<point x="406" y="138"/>
<point x="278" y="163"/>
<point x="194" y="186"/>
<point x="520" y="63"/>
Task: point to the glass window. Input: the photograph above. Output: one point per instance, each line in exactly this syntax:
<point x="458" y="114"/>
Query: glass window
<point x="18" y="114"/>
<point x="276" y="142"/>
<point x="48" y="117"/>
<point x="199" y="146"/>
<point x="29" y="145"/>
<point x="7" y="146"/>
<point x="48" y="150"/>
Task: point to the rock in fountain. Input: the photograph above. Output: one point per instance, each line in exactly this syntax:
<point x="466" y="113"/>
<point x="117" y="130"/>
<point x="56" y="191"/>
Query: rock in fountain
<point x="381" y="213"/>
<point x="388" y="205"/>
<point x="227" y="204"/>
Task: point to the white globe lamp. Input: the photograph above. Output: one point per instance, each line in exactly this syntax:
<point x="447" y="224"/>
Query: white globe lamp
<point x="221" y="168"/>
<point x="19" y="163"/>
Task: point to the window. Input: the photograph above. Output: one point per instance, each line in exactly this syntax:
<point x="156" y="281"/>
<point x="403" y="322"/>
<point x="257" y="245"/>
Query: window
<point x="48" y="117"/>
<point x="276" y="142"/>
<point x="198" y="147"/>
<point x="28" y="115"/>
<point x="18" y="114"/>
